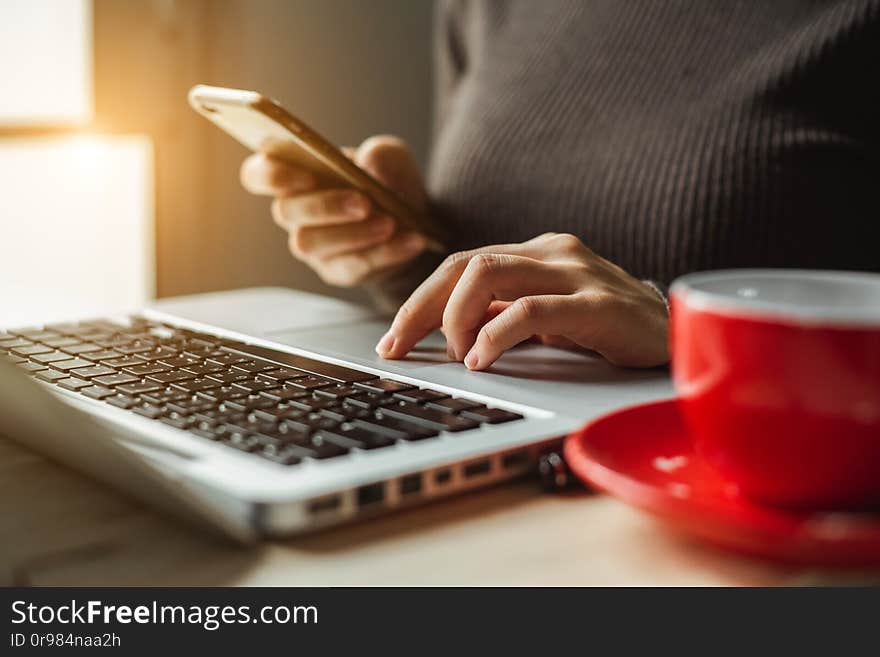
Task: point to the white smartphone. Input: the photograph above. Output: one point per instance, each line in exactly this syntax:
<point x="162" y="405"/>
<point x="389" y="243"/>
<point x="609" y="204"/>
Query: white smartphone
<point x="265" y="126"/>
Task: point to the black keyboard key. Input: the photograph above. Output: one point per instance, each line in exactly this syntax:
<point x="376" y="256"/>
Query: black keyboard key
<point x="339" y="413"/>
<point x="15" y="342"/>
<point x="64" y="341"/>
<point x="77" y="349"/>
<point x="394" y="428"/>
<point x="224" y="393"/>
<point x="124" y="361"/>
<point x="255" y="386"/>
<point x="73" y="384"/>
<point x="189" y="405"/>
<point x="97" y="392"/>
<point x="178" y="420"/>
<point x="31" y="350"/>
<point x="306" y="423"/>
<point x="338" y="391"/>
<point x="34" y="334"/>
<point x="285" y="394"/>
<point x="242" y="441"/>
<point x="253" y="366"/>
<point x="145" y="369"/>
<point x="420" y="395"/>
<point x="309" y="383"/>
<point x="216" y="416"/>
<point x="45" y="359"/>
<point x="93" y="371"/>
<point x="149" y="410"/>
<point x="122" y="401"/>
<point x="317" y="367"/>
<point x="453" y="405"/>
<point x="313" y="404"/>
<point x="112" y="380"/>
<point x="428" y="417"/>
<point x="230" y="377"/>
<point x="50" y="376"/>
<point x="135" y="347"/>
<point x="385" y="386"/>
<point x="180" y="361"/>
<point x="369" y="400"/>
<point x="281" y="374"/>
<point x="162" y="395"/>
<point x="491" y="415"/>
<point x="288" y="456"/>
<point x="70" y="364"/>
<point x="174" y="376"/>
<point x="362" y="437"/>
<point x="247" y="403"/>
<point x="201" y="369"/>
<point x="325" y="449"/>
<point x="276" y="413"/>
<point x="104" y="354"/>
<point x="226" y="359"/>
<point x="139" y="387"/>
<point x="159" y="353"/>
<point x="195" y="385"/>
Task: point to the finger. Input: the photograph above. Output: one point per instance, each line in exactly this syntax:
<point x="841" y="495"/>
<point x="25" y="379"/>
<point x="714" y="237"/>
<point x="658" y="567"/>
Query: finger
<point x="525" y="317"/>
<point x="422" y="312"/>
<point x="307" y="242"/>
<point x="332" y="206"/>
<point x="353" y="268"/>
<point x="491" y="276"/>
<point x="265" y="175"/>
<point x="389" y="160"/>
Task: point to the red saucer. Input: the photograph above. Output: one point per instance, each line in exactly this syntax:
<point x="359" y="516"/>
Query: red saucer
<point x="643" y="456"/>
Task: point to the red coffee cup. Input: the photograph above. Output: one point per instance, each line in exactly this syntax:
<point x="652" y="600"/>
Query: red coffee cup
<point x="778" y="376"/>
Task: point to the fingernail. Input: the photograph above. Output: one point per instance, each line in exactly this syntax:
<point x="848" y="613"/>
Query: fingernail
<point x="386" y="344"/>
<point x="471" y="361"/>
<point x="356" y="206"/>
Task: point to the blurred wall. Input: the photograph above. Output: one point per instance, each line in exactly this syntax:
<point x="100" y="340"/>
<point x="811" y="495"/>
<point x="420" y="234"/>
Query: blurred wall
<point x="350" y="68"/>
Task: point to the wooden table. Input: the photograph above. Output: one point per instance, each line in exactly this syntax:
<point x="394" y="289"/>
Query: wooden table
<point x="59" y="528"/>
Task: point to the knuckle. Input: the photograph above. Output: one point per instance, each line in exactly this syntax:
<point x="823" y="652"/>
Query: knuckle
<point x="455" y="261"/>
<point x="527" y="308"/>
<point x="568" y="242"/>
<point x="490" y="334"/>
<point x="483" y="264"/>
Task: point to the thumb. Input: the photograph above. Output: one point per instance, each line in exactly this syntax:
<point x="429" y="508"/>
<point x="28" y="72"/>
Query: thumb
<point x="389" y="161"/>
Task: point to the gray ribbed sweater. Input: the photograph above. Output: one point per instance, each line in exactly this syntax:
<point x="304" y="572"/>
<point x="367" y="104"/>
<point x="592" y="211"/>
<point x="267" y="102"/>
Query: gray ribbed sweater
<point x="670" y="135"/>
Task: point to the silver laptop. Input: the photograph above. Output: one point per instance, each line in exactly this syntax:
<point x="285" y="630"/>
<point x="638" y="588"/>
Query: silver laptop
<point x="266" y="411"/>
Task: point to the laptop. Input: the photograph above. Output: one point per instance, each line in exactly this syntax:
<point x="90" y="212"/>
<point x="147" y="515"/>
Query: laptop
<point x="266" y="412"/>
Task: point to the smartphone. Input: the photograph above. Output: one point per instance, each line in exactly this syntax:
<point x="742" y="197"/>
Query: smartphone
<point x="263" y="125"/>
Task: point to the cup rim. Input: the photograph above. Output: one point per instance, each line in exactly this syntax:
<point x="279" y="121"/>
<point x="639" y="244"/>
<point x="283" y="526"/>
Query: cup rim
<point x="687" y="289"/>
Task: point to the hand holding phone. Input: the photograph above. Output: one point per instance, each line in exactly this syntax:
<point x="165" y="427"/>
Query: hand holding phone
<point x="339" y="232"/>
<point x="348" y="217"/>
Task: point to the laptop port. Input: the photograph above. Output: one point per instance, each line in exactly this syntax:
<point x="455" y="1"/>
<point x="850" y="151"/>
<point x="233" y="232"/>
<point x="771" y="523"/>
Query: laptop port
<point x="324" y="504"/>
<point x="477" y="468"/>
<point x="443" y="476"/>
<point x="515" y="460"/>
<point x="411" y="484"/>
<point x="370" y="494"/>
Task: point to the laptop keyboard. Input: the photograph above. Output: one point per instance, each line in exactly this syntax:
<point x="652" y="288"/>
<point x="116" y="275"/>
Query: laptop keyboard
<point x="275" y="405"/>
